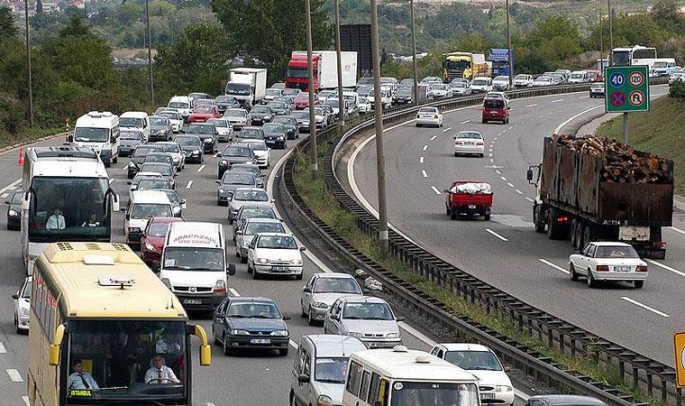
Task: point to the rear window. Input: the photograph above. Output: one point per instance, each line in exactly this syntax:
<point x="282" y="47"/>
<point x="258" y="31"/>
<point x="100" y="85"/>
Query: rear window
<point x="494" y="104"/>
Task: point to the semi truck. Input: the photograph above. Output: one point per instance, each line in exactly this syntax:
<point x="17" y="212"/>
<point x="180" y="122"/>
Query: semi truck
<point x="247" y="85"/>
<point x="593" y="189"/>
<point x="465" y="65"/>
<point x="325" y="70"/>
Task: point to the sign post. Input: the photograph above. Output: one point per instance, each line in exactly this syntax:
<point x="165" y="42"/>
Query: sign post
<point x="627" y="91"/>
<point x="679" y="342"/>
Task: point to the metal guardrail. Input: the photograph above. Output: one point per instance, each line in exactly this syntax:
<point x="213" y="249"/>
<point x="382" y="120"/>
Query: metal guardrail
<point x="566" y="337"/>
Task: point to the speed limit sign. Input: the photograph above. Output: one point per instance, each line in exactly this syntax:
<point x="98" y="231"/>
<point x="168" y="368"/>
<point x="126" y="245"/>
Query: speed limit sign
<point x="636" y="79"/>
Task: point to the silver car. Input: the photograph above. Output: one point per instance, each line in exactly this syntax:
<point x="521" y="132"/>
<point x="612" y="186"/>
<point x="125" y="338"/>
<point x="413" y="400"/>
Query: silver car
<point x="176" y="152"/>
<point x="244" y="195"/>
<point x="322" y="289"/>
<point x="22" y="301"/>
<point x="368" y="318"/>
<point x="252" y="227"/>
<point x="224" y="127"/>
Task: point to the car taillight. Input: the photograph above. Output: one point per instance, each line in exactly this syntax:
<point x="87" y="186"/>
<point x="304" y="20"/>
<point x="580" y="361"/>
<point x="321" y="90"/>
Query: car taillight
<point x="641" y="268"/>
<point x="479" y="143"/>
<point x="602" y="268"/>
<point x="458" y="142"/>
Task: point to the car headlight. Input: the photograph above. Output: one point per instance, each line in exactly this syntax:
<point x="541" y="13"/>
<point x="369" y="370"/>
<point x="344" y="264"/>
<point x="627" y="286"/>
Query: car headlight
<point x="393" y="335"/>
<point x="196" y="152"/>
<point x="223" y="162"/>
<point x="324" y="400"/>
<point x="267" y="117"/>
<point x="13" y="213"/>
<point x="25" y="311"/>
<point x="262" y="260"/>
<point x="358" y="335"/>
<point x="166" y="282"/>
<point x="221" y="190"/>
<point x="503" y="388"/>
<point x="236" y="332"/>
<point x="150" y="247"/>
<point x="320" y="305"/>
<point x="131" y="165"/>
<point x="207" y="140"/>
<point x="106" y="146"/>
<point x="177" y="210"/>
<point x="280" y="137"/>
<point x="280" y="333"/>
<point x="296" y="262"/>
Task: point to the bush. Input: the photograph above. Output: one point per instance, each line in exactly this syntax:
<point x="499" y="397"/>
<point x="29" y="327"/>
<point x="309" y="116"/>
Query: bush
<point x="677" y="90"/>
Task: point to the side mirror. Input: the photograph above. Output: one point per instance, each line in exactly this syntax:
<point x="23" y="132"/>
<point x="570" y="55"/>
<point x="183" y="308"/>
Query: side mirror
<point x="305" y="289"/>
<point x="218" y="182"/>
<point x="7" y="202"/>
<point x="303" y="248"/>
<point x="286" y="317"/>
<point x="129" y="183"/>
<point x="128" y="216"/>
<point x="303" y="378"/>
<point x="529" y="174"/>
<point x="218" y="155"/>
<point x="399" y="318"/>
<point x="239" y="232"/>
<point x="15" y="296"/>
<point x="231" y="269"/>
<point x="183" y="203"/>
<point x="53" y="356"/>
<point x="446" y="191"/>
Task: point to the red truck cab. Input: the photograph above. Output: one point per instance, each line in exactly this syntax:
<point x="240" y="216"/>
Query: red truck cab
<point x="468" y="198"/>
<point x="297" y="76"/>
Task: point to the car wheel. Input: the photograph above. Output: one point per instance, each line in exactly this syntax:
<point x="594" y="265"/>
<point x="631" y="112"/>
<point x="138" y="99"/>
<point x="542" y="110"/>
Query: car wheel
<point x="115" y="159"/>
<point x="572" y="272"/>
<point x="299" y="276"/>
<point x="283" y="352"/>
<point x="310" y="320"/>
<point x="255" y="275"/>
<point x="453" y="215"/>
<point x="639" y="284"/>
<point x="447" y="210"/>
<point x="216" y="339"/>
<point x="227" y="350"/>
<point x="591" y="279"/>
<point x="486" y="217"/>
<point x="249" y="268"/>
<point x="16" y="324"/>
<point x="303" y="313"/>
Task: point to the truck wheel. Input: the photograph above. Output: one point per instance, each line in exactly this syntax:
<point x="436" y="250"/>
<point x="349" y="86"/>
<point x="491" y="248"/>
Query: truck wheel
<point x="552" y="226"/>
<point x="639" y="284"/>
<point x="537" y="219"/>
<point x="580" y="236"/>
<point x="587" y="234"/>
<point x="572" y="232"/>
<point x="447" y="210"/>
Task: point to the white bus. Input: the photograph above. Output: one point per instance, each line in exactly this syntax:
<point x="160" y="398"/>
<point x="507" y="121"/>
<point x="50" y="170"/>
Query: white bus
<point x="636" y="55"/>
<point x="67" y="197"/>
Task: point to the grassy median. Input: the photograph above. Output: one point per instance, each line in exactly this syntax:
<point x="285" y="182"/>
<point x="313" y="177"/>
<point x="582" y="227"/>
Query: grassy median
<point x="322" y="202"/>
<point x="26" y="136"/>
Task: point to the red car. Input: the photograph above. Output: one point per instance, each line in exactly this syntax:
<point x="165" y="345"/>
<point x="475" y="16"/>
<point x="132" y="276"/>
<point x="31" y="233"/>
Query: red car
<point x="469" y="198"/>
<point x="202" y="113"/>
<point x="152" y="243"/>
<point x="302" y="100"/>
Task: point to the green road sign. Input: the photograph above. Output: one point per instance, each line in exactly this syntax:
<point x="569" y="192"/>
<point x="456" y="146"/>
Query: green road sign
<point x="626" y="89"/>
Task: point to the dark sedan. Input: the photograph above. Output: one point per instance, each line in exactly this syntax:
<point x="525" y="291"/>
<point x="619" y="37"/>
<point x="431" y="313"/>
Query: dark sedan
<point x="138" y="157"/>
<point x="275" y="135"/>
<point x="129" y="139"/>
<point x="230" y="182"/>
<point x="14" y="210"/>
<point x="279" y="107"/>
<point x="250" y="322"/>
<point x="563" y="400"/>
<point x="290" y="124"/>
<point x="224" y="103"/>
<point x="192" y="148"/>
<point x="250" y="168"/>
<point x="235" y="154"/>
<point x="260" y="114"/>
<point x="207" y="133"/>
<point x="165" y="169"/>
<point x="160" y="129"/>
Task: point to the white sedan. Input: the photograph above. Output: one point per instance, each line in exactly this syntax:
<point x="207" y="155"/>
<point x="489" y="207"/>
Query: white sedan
<point x="275" y="254"/>
<point x="441" y="91"/>
<point x="429" y="116"/>
<point x="469" y="143"/>
<point x="22" y="301"/>
<point x="608" y="261"/>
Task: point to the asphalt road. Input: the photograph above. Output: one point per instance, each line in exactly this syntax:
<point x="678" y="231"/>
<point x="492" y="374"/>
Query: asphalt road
<point x="506" y="251"/>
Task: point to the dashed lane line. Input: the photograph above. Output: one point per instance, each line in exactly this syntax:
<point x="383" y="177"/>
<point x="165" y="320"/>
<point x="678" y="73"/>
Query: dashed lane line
<point x="10" y="186"/>
<point x="425" y="147"/>
<point x="531" y="105"/>
<point x="14" y="375"/>
<point x="557" y="101"/>
<point x="644" y="306"/>
<point x="510" y="184"/>
<point x="434" y="137"/>
<point x="190" y="183"/>
<point x="496" y="235"/>
<point x="425" y="175"/>
<point x="666" y="267"/>
<point x="234" y="292"/>
<point x="555" y="266"/>
<point x="519" y="192"/>
<point x="4" y="195"/>
<point x="446" y="129"/>
<point x="420" y="160"/>
<point x="503" y="178"/>
<point x="464" y="122"/>
<point x="436" y="190"/>
<point x="530" y="200"/>
<point x="201" y="168"/>
<point x="677" y="230"/>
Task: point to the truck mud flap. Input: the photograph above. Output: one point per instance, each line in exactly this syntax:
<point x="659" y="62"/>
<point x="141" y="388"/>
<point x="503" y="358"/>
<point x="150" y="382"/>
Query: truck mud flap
<point x="654" y="253"/>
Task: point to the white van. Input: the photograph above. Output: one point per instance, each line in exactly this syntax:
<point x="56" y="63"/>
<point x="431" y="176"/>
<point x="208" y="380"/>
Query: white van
<point x="99" y="130"/>
<point x="193" y="264"/>
<point x="136" y="120"/>
<point x="579" y="76"/>
<point x="399" y="377"/>
<point x="182" y="105"/>
<point x="142" y="205"/>
<point x="481" y="85"/>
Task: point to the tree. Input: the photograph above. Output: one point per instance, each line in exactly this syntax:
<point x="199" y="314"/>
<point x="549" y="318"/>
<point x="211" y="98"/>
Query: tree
<point x="8" y="27"/>
<point x="269" y="30"/>
<point x="76" y="28"/>
<point x="665" y="14"/>
<point x="39" y="7"/>
<point x="556" y="39"/>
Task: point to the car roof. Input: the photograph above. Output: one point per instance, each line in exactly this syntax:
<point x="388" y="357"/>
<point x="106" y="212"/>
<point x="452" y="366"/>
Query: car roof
<point x="251" y="299"/>
<point x="464" y="347"/>
<point x="165" y="220"/>
<point x="571" y="400"/>
<point x="263" y="220"/>
<point x="333" y="345"/>
<point x="363" y="299"/>
<point x="276" y="235"/>
<point x="337" y="275"/>
<point x="150" y="174"/>
<point x="609" y="244"/>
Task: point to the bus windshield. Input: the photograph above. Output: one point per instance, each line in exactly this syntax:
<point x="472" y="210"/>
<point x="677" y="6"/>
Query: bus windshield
<point x="621" y="58"/>
<point x="69" y="209"/>
<point x="125" y="360"/>
<point x="434" y="393"/>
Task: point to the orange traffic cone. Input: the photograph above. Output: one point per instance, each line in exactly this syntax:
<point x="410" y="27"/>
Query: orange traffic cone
<point x="21" y="156"/>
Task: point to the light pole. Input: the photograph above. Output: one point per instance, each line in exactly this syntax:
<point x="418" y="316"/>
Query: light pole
<point x="611" y="35"/>
<point x="28" y="60"/>
<point x="341" y="98"/>
<point x="380" y="150"/>
<point x="601" y="44"/>
<point x="413" y="51"/>
<point x="149" y="55"/>
<point x="510" y="57"/>
<point x="310" y="89"/>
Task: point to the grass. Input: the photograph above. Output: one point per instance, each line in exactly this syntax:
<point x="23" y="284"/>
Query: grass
<point x="26" y="135"/>
<point x="660" y="131"/>
<point x="324" y="205"/>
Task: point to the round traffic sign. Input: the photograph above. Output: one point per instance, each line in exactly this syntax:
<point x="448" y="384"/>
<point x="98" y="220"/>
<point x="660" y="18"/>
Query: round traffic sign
<point x="636" y="79"/>
<point x="636" y="98"/>
<point x="617" y="79"/>
<point x="617" y="99"/>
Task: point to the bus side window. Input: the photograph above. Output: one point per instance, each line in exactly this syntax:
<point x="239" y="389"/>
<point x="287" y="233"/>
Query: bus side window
<point x="377" y="392"/>
<point x="366" y="380"/>
<point x="354" y="379"/>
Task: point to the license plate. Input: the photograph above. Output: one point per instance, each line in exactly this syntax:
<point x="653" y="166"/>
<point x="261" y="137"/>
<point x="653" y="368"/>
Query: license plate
<point x="260" y="341"/>
<point x="621" y="269"/>
<point x="279" y="268"/>
<point x="633" y="233"/>
<point x="192" y="301"/>
<point x="487" y="396"/>
<point x="472" y="206"/>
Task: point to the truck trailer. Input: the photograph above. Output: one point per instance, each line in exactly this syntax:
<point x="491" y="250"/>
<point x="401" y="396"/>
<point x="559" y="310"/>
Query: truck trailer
<point x="247" y="85"/>
<point x="592" y="189"/>
<point x="325" y="69"/>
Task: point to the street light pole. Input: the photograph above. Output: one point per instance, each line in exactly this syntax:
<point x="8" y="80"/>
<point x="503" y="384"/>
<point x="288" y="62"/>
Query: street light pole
<point x="149" y="55"/>
<point x="341" y="98"/>
<point x="380" y="150"/>
<point x="310" y="88"/>
<point x="413" y="51"/>
<point x="601" y="44"/>
<point x="28" y="60"/>
<point x="510" y="57"/>
<point x="611" y="35"/>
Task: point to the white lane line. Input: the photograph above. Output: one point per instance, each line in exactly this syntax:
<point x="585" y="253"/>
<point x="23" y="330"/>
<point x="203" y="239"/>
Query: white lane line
<point x="490" y="155"/>
<point x="446" y="129"/>
<point x="492" y="160"/>
<point x="582" y="97"/>
<point x="560" y="126"/>
<point x="434" y="137"/>
<point x="421" y="160"/>
<point x="666" y="267"/>
<point x="2" y="349"/>
<point x="425" y="175"/>
<point x="503" y="178"/>
<point x="531" y="105"/>
<point x="234" y="292"/>
<point x="26" y="400"/>
<point x="201" y="168"/>
<point x="436" y="190"/>
<point x="496" y="235"/>
<point x="557" y="101"/>
<point x="510" y="184"/>
<point x="416" y="333"/>
<point x="494" y="139"/>
<point x="15" y="376"/>
<point x="557" y="267"/>
<point x="498" y="172"/>
<point x="4" y="195"/>
<point x="530" y="200"/>
<point x="644" y="306"/>
<point x="10" y="186"/>
<point x="190" y="183"/>
<point x="519" y="192"/>
<point x="464" y="122"/>
<point x="425" y="147"/>
<point x="677" y="230"/>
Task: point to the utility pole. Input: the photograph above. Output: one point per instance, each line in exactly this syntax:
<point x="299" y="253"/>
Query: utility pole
<point x="611" y="35"/>
<point x="413" y="51"/>
<point x="380" y="150"/>
<point x="510" y="57"/>
<point x="341" y="99"/>
<point x="310" y="89"/>
<point x="601" y="44"/>
<point x="149" y="55"/>
<point x="28" y="60"/>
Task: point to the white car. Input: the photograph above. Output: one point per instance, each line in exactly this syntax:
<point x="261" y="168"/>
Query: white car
<point x="500" y="82"/>
<point x="176" y="153"/>
<point x="327" y="94"/>
<point x="261" y="151"/>
<point x="429" y="116"/>
<point x="22" y="304"/>
<point x="441" y="91"/>
<point x="523" y="80"/>
<point x="143" y="175"/>
<point x="249" y="229"/>
<point x="322" y="290"/>
<point x="460" y="88"/>
<point x="364" y="105"/>
<point x="275" y="254"/>
<point x="175" y="119"/>
<point x="543" y="81"/>
<point x="469" y="143"/>
<point x="481" y="85"/>
<point x="224" y="128"/>
<point x="676" y="77"/>
<point x="608" y="261"/>
<point x="237" y="117"/>
<point x="493" y="382"/>
<point x="244" y="195"/>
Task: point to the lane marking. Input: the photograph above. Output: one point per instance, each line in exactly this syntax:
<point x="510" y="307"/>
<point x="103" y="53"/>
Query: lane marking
<point x="492" y="160"/>
<point x="26" y="400"/>
<point x="560" y="126"/>
<point x="4" y="195"/>
<point x="425" y="147"/>
<point x="234" y="292"/>
<point x="530" y="200"/>
<point x="425" y="175"/>
<point x="498" y="172"/>
<point x="496" y="235"/>
<point x="464" y="122"/>
<point x="3" y="350"/>
<point x="644" y="306"/>
<point x="190" y="183"/>
<point x="434" y="137"/>
<point x="503" y="178"/>
<point x="15" y="376"/>
<point x="519" y="192"/>
<point x="666" y="267"/>
<point x="557" y="101"/>
<point x="510" y="184"/>
<point x="446" y="129"/>
<point x="557" y="267"/>
<point x="436" y="190"/>
<point x="201" y="168"/>
<point x="532" y="105"/>
<point x="420" y="160"/>
<point x="10" y="186"/>
<point x="677" y="230"/>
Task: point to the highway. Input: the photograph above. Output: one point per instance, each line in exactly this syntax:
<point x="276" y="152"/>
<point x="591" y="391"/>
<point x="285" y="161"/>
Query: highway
<point x="506" y="252"/>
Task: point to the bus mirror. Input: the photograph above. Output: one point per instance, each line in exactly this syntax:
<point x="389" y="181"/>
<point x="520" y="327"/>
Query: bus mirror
<point x="115" y="202"/>
<point x="55" y="346"/>
<point x="205" y="355"/>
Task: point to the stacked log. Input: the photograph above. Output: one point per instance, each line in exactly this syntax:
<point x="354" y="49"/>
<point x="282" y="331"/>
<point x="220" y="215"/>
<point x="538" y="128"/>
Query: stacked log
<point x="621" y="163"/>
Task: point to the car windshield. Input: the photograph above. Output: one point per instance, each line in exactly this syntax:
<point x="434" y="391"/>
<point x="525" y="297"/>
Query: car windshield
<point x="237" y="151"/>
<point x="253" y="169"/>
<point x="132" y="135"/>
<point x="474" y="360"/>
<point x="201" y="129"/>
<point x="159" y="122"/>
<point x="26" y="293"/>
<point x="158" y="229"/>
<point x="219" y="123"/>
<point x="235" y="113"/>
<point x="251" y="213"/>
<point x="179" y="105"/>
<point x="616" y="252"/>
<point x="278" y="128"/>
<point x="494" y="103"/>
<point x="165" y="170"/>
<point x="277" y="242"/>
<point x="273" y="92"/>
<point x="521" y="77"/>
<point x="440" y="87"/>
<point x="256" y="310"/>
<point x="255" y="228"/>
<point x="258" y="146"/>
<point x="153" y="184"/>
<point x="144" y="150"/>
<point x="253" y="133"/>
<point x="331" y="370"/>
<point x="158" y="158"/>
<point x="171" y="147"/>
<point x="147" y="210"/>
<point x="367" y="311"/>
<point x="194" y="259"/>
<point x="225" y="99"/>
<point x="260" y="110"/>
<point x="186" y="141"/>
<point x="170" y="115"/>
<point x="335" y="285"/>
<point x="134" y="122"/>
<point x="203" y="110"/>
<point x="479" y="82"/>
<point x="238" y="179"/>
<point x="173" y="197"/>
<point x="251" y="195"/>
<point x="17" y="197"/>
<point x="470" y="135"/>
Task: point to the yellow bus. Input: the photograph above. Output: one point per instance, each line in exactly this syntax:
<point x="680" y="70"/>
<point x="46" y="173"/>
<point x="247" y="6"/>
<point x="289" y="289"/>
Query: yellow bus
<point x="99" y="306"/>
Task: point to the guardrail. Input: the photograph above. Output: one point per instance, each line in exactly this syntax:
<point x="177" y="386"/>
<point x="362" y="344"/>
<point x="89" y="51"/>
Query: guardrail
<point x="566" y="337"/>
